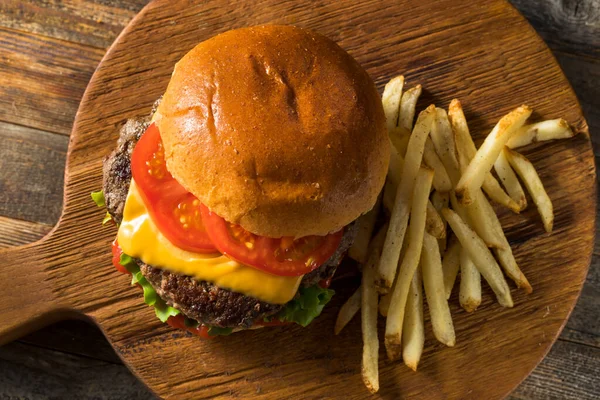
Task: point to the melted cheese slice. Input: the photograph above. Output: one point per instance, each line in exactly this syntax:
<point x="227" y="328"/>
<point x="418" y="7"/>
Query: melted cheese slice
<point x="140" y="238"/>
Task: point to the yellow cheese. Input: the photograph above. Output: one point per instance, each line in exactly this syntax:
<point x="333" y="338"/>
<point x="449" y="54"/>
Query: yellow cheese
<point x="140" y="238"/>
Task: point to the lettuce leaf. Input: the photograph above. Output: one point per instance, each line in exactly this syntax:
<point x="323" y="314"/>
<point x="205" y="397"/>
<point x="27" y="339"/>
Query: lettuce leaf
<point x="107" y="218"/>
<point x="306" y="307"/>
<point x="151" y="298"/>
<point x="98" y="198"/>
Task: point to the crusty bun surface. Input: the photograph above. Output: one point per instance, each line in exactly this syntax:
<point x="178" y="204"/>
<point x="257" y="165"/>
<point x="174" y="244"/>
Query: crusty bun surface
<point x="277" y="129"/>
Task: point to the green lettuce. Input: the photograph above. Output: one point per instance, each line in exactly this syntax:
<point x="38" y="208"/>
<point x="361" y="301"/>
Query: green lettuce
<point x="303" y="309"/>
<point x="162" y="310"/>
<point x="98" y="198"/>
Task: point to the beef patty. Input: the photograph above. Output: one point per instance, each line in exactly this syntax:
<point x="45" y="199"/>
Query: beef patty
<point x="199" y="300"/>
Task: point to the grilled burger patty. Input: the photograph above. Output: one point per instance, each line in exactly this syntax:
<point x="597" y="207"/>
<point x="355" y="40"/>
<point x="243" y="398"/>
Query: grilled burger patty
<point x="199" y="300"/>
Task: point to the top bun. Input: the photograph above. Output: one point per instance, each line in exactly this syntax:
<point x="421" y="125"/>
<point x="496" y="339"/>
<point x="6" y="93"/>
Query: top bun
<point x="277" y="129"/>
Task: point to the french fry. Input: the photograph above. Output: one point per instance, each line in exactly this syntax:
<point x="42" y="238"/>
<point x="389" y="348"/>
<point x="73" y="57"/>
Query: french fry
<point x="399" y="138"/>
<point x="510" y="181"/>
<point x="348" y="311"/>
<point x="451" y="265"/>
<point x="369" y="297"/>
<point x="408" y="104"/>
<point x="531" y="179"/>
<point x="439" y="201"/>
<point x="384" y="303"/>
<point x="466" y="150"/>
<point x="476" y="215"/>
<point x="441" y="180"/>
<point x="384" y="300"/>
<point x="433" y="282"/>
<point x="470" y="284"/>
<point x="509" y="264"/>
<point x="392" y="93"/>
<point x="443" y="142"/>
<point x="410" y="261"/>
<point x="481" y="256"/>
<point x="541" y="131"/>
<point x="365" y="225"/>
<point x="400" y="212"/>
<point x="413" y="331"/>
<point x="395" y="166"/>
<point x="504" y="253"/>
<point x="434" y="223"/>
<point x="393" y="178"/>
<point x="484" y="159"/>
<point x="368" y="306"/>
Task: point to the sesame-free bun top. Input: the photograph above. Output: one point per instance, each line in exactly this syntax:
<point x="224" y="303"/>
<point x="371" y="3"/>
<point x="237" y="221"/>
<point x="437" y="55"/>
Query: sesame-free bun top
<point x="277" y="129"/>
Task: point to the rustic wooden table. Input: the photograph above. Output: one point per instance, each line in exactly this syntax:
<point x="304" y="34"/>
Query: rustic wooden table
<point x="48" y="52"/>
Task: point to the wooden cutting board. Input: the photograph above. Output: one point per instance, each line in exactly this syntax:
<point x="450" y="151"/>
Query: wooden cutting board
<point x="482" y="52"/>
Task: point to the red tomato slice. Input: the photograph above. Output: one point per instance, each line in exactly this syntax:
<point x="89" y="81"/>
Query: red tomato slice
<point x="178" y="322"/>
<point x="173" y="209"/>
<point x="284" y="256"/>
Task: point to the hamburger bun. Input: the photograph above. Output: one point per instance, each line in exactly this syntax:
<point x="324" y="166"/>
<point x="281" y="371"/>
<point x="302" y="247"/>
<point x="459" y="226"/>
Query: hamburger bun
<point x="277" y="129"/>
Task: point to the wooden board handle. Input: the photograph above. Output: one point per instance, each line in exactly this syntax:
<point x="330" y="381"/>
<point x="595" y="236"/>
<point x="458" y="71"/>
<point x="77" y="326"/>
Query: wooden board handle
<point x="27" y="301"/>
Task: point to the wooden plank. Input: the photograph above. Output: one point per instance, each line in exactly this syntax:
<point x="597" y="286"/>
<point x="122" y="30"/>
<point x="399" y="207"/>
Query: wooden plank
<point x="570" y="26"/>
<point x="93" y="23"/>
<point x="569" y="372"/>
<point x="31" y="177"/>
<point x="30" y="372"/>
<point x="42" y="79"/>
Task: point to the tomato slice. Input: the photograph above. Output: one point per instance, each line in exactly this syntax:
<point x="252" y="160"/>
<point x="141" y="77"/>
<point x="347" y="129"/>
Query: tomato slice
<point x="178" y="322"/>
<point x="173" y="209"/>
<point x="284" y="256"/>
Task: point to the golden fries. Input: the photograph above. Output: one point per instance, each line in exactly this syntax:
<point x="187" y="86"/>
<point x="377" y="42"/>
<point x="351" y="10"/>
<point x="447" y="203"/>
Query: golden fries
<point x="408" y="104"/>
<point x="478" y="219"/>
<point x="416" y="252"/>
<point x="481" y="256"/>
<point x="399" y="138"/>
<point x="484" y="159"/>
<point x="399" y="218"/>
<point x="413" y="331"/>
<point x="370" y="358"/>
<point x="410" y="261"/>
<point x="470" y="284"/>
<point x="541" y="131"/>
<point x="441" y="180"/>
<point x="451" y="265"/>
<point x="505" y="256"/>
<point x="466" y="150"/>
<point x="348" y="311"/>
<point x="433" y="282"/>
<point x="395" y="167"/>
<point x="509" y="180"/>
<point x="391" y="101"/>
<point x="534" y="186"/>
<point x="443" y="142"/>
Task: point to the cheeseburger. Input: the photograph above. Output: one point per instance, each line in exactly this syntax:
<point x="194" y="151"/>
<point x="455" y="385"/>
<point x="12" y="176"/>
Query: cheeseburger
<point x="235" y="199"/>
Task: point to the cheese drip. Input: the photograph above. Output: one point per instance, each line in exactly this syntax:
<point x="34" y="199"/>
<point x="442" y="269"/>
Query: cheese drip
<point x="140" y="238"/>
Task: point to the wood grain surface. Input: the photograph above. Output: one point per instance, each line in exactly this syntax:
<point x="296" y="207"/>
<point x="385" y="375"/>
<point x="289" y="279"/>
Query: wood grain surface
<point x="433" y="70"/>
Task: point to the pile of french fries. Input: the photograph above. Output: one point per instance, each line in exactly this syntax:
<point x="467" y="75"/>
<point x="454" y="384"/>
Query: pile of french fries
<point x="438" y="178"/>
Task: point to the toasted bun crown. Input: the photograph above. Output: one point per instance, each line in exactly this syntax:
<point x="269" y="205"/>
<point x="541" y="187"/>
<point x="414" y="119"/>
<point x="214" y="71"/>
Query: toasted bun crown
<point x="277" y="129"/>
